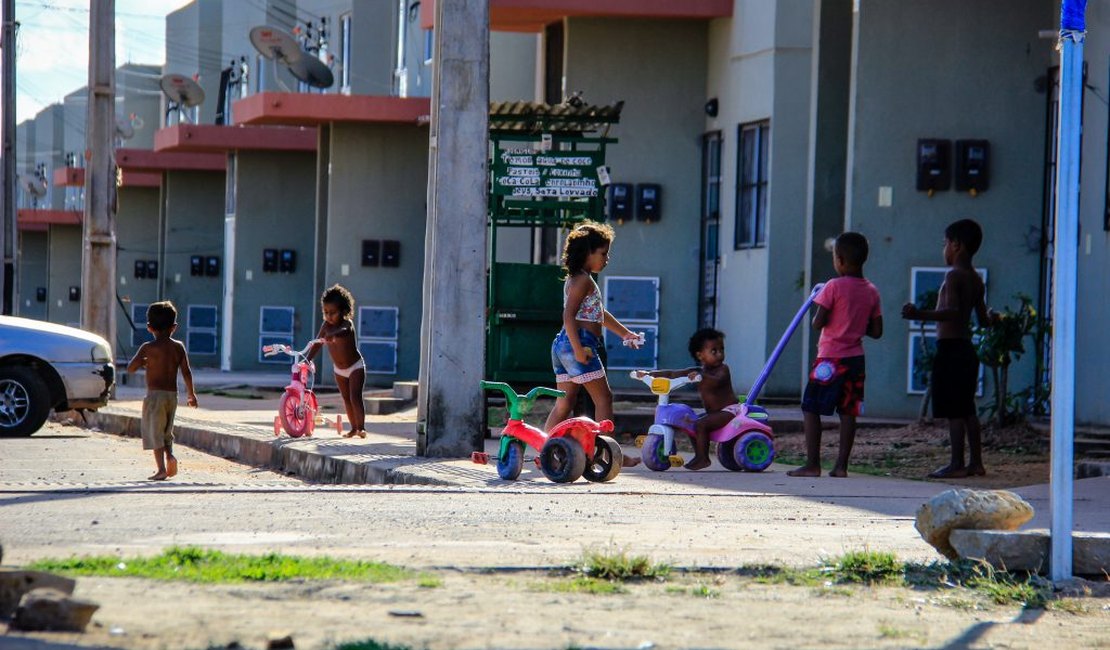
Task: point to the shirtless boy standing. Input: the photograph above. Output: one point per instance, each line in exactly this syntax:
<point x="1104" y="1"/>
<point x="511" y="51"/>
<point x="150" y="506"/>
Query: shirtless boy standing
<point x="956" y="365"/>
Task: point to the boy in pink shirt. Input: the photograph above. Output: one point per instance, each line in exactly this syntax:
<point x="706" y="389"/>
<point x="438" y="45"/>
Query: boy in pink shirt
<point x="847" y="309"/>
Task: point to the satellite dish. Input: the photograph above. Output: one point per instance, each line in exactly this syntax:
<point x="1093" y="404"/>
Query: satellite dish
<point x="276" y="45"/>
<point x="182" y="90"/>
<point x="313" y="72"/>
<point x="123" y="128"/>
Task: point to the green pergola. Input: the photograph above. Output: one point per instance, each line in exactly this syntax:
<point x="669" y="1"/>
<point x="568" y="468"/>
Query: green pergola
<point x="547" y="170"/>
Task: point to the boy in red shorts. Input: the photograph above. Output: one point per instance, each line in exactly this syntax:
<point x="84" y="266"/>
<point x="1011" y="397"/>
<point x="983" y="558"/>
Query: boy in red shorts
<point x="848" y="308"/>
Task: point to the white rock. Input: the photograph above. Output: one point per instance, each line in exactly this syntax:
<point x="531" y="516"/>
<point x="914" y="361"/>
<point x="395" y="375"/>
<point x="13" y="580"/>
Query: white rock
<point x="969" y="510"/>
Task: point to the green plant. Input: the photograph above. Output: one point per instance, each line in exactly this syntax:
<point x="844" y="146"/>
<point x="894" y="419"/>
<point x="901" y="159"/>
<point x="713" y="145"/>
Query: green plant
<point x="866" y="567"/>
<point x="616" y="564"/>
<point x="201" y="565"/>
<point x="1002" y="343"/>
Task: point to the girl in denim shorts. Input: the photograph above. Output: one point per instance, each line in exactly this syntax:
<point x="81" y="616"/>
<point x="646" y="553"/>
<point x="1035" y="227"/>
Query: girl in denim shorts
<point x="575" y="353"/>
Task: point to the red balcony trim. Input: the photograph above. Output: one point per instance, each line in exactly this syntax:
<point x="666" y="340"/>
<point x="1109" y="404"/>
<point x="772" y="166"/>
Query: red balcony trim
<point x="210" y="138"/>
<point x="534" y="15"/>
<point x="145" y="160"/>
<point x="31" y="218"/>
<point x="129" y="178"/>
<point x="303" y="109"/>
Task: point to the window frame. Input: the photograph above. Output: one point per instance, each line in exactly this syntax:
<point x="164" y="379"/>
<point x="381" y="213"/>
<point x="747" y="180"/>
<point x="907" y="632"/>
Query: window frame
<point x="345" y="27"/>
<point x="751" y="225"/>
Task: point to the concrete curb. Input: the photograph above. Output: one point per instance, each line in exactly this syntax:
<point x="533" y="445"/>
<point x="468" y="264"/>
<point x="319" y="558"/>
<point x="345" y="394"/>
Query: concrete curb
<point x="301" y="457"/>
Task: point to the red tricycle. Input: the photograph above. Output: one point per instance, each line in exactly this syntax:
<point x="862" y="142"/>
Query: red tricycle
<point x="573" y="448"/>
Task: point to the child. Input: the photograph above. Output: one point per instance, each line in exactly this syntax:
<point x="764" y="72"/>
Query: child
<point x="956" y="365"/>
<point x="162" y="358"/>
<point x="575" y="353"/>
<point x="338" y="332"/>
<point x="707" y="346"/>
<point x="847" y="308"/>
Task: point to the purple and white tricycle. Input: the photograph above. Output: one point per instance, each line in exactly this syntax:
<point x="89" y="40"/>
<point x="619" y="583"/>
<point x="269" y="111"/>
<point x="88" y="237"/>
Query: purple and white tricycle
<point x="746" y="443"/>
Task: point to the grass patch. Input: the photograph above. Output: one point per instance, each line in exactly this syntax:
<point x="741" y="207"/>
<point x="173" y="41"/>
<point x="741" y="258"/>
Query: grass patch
<point x="617" y="565"/>
<point x="704" y="591"/>
<point x="769" y="574"/>
<point x="580" y="585"/>
<point x="370" y="644"/>
<point x="867" y="567"/>
<point x="429" y="581"/>
<point x="200" y="565"/>
<point x="1070" y="606"/>
<point x="888" y="631"/>
<point x="1001" y="587"/>
<point x="856" y="466"/>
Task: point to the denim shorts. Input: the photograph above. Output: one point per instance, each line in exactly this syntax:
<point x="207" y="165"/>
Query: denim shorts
<point x="567" y="368"/>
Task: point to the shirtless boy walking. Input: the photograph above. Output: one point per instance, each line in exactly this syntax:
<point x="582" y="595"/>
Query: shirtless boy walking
<point x="162" y="358"/>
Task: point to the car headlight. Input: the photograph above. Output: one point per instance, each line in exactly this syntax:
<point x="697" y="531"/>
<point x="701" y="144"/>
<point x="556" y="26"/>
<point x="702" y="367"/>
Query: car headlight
<point x="101" y="353"/>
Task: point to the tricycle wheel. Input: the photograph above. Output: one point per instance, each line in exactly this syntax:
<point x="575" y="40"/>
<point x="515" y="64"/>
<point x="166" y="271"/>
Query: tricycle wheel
<point x="562" y="460"/>
<point x="655" y="457"/>
<point x="725" y="451"/>
<point x="511" y="462"/>
<point x="295" y="417"/>
<point x="754" y="451"/>
<point x="607" y="461"/>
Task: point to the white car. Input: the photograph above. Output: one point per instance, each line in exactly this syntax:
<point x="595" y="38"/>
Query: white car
<point x="44" y="366"/>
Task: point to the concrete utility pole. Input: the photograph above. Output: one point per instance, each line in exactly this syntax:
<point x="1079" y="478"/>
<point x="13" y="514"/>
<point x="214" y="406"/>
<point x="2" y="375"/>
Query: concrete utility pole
<point x="8" y="232"/>
<point x="453" y="329"/>
<point x="98" y="257"/>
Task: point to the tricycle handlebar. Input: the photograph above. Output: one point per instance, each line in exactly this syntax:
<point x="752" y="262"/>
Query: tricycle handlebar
<point x="519" y="404"/>
<point x="662" y="385"/>
<point x="281" y="348"/>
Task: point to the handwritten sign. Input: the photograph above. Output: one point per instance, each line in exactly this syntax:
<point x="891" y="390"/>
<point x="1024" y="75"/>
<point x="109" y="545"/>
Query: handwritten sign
<point x="545" y="174"/>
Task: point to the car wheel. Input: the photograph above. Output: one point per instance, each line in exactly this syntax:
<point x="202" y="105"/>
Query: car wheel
<point x="24" y="401"/>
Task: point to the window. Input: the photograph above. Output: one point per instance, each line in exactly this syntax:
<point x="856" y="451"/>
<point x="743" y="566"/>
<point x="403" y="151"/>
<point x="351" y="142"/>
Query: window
<point x="751" y="185"/>
<point x="429" y="46"/>
<point x="345" y="53"/>
<point x="710" y="228"/>
<point x="231" y="197"/>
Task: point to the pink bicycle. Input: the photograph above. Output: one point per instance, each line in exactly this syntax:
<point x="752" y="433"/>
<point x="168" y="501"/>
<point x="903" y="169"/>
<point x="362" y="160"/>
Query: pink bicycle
<point x="298" y="409"/>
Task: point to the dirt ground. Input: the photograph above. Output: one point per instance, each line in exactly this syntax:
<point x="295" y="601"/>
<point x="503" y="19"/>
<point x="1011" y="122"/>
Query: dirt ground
<point x="528" y="610"/>
<point x="1014" y="456"/>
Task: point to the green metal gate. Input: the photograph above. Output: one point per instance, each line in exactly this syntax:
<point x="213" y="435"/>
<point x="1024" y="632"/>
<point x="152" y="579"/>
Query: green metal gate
<point x="546" y="171"/>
